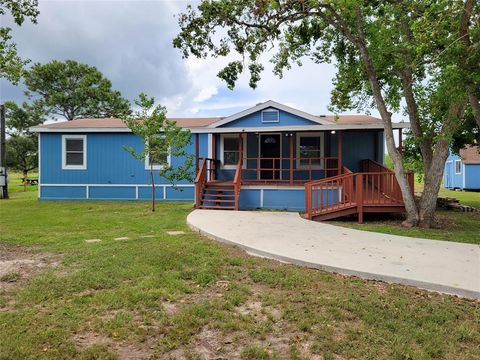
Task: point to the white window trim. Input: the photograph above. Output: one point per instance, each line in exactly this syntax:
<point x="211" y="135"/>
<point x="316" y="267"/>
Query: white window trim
<point x="64" y="152"/>
<point x="455" y="167"/>
<point x="271" y="121"/>
<point x="157" y="166"/>
<point x="232" y="136"/>
<point x="322" y="149"/>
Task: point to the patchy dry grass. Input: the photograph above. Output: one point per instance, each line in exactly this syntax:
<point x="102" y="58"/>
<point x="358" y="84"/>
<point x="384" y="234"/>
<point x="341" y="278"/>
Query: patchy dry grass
<point x="161" y="296"/>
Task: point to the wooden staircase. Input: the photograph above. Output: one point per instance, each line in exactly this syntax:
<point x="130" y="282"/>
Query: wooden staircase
<point x="218" y="195"/>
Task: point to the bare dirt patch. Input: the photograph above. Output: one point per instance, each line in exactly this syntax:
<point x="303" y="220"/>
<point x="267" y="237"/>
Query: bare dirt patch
<point x="123" y="349"/>
<point x="18" y="264"/>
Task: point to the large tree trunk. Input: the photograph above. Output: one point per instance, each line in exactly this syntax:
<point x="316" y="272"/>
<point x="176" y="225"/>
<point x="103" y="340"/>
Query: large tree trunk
<point x="25" y="176"/>
<point x="432" y="182"/>
<point x="407" y="193"/>
<point x="474" y="102"/>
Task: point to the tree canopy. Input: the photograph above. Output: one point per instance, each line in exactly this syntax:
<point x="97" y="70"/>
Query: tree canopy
<point x="22" y="146"/>
<point x="73" y="90"/>
<point x="11" y="64"/>
<point x="419" y="57"/>
<point x="20" y="118"/>
<point x="162" y="139"/>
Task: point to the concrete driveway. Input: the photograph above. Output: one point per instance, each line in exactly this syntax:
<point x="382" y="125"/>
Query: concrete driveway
<point x="442" y="266"/>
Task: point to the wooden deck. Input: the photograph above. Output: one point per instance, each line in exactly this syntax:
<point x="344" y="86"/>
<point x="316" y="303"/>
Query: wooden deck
<point x="374" y="190"/>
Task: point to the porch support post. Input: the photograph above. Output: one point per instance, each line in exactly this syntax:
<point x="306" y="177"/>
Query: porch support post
<point x="375" y="144"/>
<point x="196" y="153"/>
<point x="240" y="145"/>
<point x="339" y="151"/>
<point x="291" y="158"/>
<point x="214" y="157"/>
<point x="400" y="141"/>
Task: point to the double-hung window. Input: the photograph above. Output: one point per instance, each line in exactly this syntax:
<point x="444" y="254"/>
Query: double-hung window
<point x="310" y="150"/>
<point x="158" y="158"/>
<point x="74" y="152"/>
<point x="229" y="150"/>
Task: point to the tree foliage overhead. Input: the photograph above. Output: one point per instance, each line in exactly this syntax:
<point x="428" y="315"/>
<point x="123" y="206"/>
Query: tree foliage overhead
<point x="20" y="118"/>
<point x="11" y="65"/>
<point x="22" y="145"/>
<point x="162" y="139"/>
<point x="73" y="90"/>
<point x="387" y="53"/>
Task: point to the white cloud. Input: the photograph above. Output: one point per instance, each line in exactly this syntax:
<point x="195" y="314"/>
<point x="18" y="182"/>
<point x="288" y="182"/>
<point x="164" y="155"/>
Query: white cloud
<point x="131" y="43"/>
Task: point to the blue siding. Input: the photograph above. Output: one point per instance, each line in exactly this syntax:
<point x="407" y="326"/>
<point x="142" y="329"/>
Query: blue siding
<point x="182" y="193"/>
<point x="293" y="200"/>
<point x="145" y="193"/>
<point x="290" y="199"/>
<point x="63" y="192"/>
<point x="357" y="146"/>
<point x="112" y="192"/>
<point x="107" y="161"/>
<point x="472" y="176"/>
<point x="451" y="180"/>
<point x="249" y="199"/>
<point x="255" y="120"/>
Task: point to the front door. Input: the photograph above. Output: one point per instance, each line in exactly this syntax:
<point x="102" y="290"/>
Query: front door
<point x="270" y="152"/>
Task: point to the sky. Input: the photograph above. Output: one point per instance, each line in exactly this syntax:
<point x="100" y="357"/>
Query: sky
<point x="130" y="42"/>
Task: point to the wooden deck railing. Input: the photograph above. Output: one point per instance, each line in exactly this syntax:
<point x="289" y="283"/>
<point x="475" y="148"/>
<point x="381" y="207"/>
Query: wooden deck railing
<point x="237" y="182"/>
<point x="354" y="191"/>
<point x="204" y="174"/>
<point x="287" y="169"/>
<point x="333" y="193"/>
<point x="368" y="165"/>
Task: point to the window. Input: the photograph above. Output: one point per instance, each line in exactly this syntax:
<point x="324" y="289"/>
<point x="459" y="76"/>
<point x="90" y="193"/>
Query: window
<point x="458" y="166"/>
<point x="270" y="115"/>
<point x="229" y="150"/>
<point x="74" y="152"/>
<point x="157" y="159"/>
<point x="310" y="150"/>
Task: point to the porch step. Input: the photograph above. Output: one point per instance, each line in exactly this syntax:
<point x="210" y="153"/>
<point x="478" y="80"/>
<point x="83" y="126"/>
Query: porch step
<point x="217" y="207"/>
<point x="218" y="195"/>
<point x="218" y="201"/>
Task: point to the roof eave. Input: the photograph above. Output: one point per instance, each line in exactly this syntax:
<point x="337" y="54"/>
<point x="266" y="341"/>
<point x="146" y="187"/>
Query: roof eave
<point x="206" y="129"/>
<point x="266" y="105"/>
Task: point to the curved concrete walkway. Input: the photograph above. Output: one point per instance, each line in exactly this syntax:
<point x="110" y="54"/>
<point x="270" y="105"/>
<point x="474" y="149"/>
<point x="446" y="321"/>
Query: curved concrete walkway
<point x="441" y="266"/>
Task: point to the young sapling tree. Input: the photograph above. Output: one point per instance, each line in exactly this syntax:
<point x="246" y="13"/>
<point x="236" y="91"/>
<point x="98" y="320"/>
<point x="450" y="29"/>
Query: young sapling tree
<point x="162" y="140"/>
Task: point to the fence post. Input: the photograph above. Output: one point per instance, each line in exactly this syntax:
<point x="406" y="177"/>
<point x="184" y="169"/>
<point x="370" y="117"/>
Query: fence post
<point x="308" y="201"/>
<point x="359" y="196"/>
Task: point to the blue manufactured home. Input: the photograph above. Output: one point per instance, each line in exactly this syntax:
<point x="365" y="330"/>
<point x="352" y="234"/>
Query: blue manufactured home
<point x="462" y="171"/>
<point x="269" y="156"/>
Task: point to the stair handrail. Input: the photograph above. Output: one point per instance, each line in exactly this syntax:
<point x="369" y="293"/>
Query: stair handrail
<point x="345" y="181"/>
<point x="377" y="167"/>
<point x="237" y="181"/>
<point x="200" y="182"/>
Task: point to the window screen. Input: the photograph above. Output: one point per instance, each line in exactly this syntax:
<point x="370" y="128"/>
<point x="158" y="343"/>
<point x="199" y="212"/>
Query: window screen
<point x="74" y="152"/>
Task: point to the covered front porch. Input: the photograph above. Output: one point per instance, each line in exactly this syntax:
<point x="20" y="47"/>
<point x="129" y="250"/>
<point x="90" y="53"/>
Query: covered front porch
<point x="287" y="158"/>
<point x="323" y="173"/>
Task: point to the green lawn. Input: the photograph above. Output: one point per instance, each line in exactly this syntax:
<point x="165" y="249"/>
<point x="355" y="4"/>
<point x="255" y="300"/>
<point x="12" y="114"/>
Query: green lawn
<point x="450" y="225"/>
<point x="15" y="181"/>
<point x="184" y="296"/>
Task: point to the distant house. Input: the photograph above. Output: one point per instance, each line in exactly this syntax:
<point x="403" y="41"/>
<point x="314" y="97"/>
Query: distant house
<point x="270" y="156"/>
<point x="462" y="171"/>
